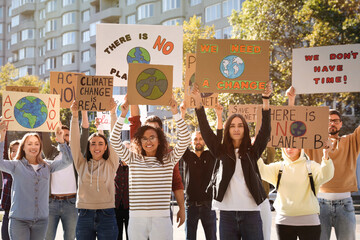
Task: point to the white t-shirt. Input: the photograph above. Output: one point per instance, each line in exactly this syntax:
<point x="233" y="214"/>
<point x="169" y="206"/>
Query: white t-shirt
<point x="237" y="196"/>
<point x="334" y="196"/>
<point x="304" y="220"/>
<point x="63" y="181"/>
<point x="35" y="166"/>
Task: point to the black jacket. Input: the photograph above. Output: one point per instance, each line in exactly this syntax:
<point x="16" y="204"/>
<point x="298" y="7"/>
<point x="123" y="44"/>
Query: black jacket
<point x="225" y="164"/>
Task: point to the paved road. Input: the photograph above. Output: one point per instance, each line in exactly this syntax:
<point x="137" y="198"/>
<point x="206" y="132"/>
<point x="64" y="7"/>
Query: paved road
<point x="179" y="233"/>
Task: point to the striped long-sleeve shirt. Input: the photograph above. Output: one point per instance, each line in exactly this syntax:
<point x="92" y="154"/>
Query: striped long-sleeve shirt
<point x="150" y="180"/>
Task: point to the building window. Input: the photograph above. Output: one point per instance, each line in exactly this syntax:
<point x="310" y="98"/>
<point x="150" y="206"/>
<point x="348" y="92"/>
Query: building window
<point x="1" y="28"/>
<point x="93" y="28"/>
<point x="68" y="58"/>
<point x="213" y="12"/>
<point x="13" y="38"/>
<point x="68" y="18"/>
<point x="51" y="44"/>
<point x="1" y="46"/>
<point x="28" y="52"/>
<point x="68" y="2"/>
<point x="42" y="51"/>
<point x="172" y="22"/>
<point x="9" y="11"/>
<point x="42" y="69"/>
<point x="42" y="14"/>
<point x="51" y="25"/>
<point x="170" y="4"/>
<point x="68" y="38"/>
<point x="194" y="2"/>
<point x="1" y="12"/>
<point x="218" y="34"/>
<point x="41" y="32"/>
<point x="227" y="32"/>
<point x="131" y="19"/>
<point x="26" y="70"/>
<point x="229" y="5"/>
<point x="27" y="34"/>
<point x="50" y="63"/>
<point x="145" y="11"/>
<point x="15" y="21"/>
<point x="51" y="6"/>
<point x="85" y="15"/>
<point x="130" y="2"/>
<point x="85" y="56"/>
<point x="86" y="36"/>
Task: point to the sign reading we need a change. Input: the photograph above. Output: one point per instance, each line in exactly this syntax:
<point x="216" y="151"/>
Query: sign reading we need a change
<point x="31" y="111"/>
<point x="297" y="127"/>
<point x="326" y="69"/>
<point x="233" y="66"/>
<point x="117" y="45"/>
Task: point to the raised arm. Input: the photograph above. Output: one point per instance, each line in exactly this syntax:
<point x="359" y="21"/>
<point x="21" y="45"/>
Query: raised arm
<point x="77" y="155"/>
<point x="290" y="93"/>
<point x="5" y="165"/>
<point x="115" y="136"/>
<point x="84" y="131"/>
<point x="134" y="120"/>
<point x="268" y="173"/>
<point x="324" y="172"/>
<point x="66" y="158"/>
<point x="49" y="150"/>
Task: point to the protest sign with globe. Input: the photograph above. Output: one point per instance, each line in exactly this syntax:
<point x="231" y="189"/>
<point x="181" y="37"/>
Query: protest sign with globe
<point x="138" y="55"/>
<point x="232" y="66"/>
<point x="151" y="83"/>
<point x="31" y="111"/>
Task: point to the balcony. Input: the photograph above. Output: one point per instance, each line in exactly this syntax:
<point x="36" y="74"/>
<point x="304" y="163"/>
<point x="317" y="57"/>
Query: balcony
<point x="26" y="9"/>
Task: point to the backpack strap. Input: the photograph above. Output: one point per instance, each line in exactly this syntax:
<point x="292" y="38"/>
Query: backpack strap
<point x="279" y="175"/>
<point x="308" y="166"/>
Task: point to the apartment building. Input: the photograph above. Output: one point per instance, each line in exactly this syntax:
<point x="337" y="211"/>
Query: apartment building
<point x="39" y="36"/>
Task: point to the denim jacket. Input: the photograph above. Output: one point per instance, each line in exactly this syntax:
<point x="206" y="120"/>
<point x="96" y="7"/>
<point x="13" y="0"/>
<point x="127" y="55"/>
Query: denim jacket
<point x="30" y="189"/>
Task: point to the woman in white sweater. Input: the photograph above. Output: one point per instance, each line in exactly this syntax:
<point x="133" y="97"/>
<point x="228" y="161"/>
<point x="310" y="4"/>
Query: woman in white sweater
<point x="296" y="204"/>
<point x="150" y="175"/>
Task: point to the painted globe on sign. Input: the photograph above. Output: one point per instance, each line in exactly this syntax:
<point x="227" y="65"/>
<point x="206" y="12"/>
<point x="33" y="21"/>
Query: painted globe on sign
<point x="30" y="112"/>
<point x="298" y="129"/>
<point x="138" y="55"/>
<point x="118" y="113"/>
<point x="232" y="66"/>
<point x="151" y="83"/>
<point x="192" y="81"/>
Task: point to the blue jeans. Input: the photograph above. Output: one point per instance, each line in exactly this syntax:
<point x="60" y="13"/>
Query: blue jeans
<point x="99" y="223"/>
<point x="194" y="212"/>
<point x="235" y="225"/>
<point x="339" y="214"/>
<point x="65" y="211"/>
<point x="27" y="229"/>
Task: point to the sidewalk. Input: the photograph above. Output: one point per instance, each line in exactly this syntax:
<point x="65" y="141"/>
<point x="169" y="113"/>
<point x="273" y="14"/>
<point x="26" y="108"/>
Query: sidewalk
<point x="179" y="233"/>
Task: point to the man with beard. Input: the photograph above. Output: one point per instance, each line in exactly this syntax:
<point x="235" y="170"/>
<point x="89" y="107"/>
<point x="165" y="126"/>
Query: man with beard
<point x="199" y="166"/>
<point x="336" y="205"/>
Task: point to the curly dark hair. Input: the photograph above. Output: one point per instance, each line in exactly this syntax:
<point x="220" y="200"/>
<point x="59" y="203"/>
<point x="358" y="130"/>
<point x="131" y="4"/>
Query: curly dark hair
<point x="162" y="149"/>
<point x="246" y="141"/>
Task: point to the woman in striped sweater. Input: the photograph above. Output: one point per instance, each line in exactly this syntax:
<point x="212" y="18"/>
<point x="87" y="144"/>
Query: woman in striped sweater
<point x="150" y="175"/>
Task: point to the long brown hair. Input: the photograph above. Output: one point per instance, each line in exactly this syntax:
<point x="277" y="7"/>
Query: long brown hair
<point x="162" y="149"/>
<point x="11" y="145"/>
<point x="228" y="143"/>
<point x="21" y="153"/>
<point x="88" y="154"/>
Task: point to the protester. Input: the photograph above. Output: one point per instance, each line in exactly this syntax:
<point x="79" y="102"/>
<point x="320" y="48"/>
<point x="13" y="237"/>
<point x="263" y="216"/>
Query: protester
<point x="336" y="205"/>
<point x="96" y="191"/>
<point x="150" y="174"/>
<point x="198" y="169"/>
<point x="30" y="189"/>
<point x="237" y="187"/>
<point x="296" y="204"/>
<point x="177" y="184"/>
<point x="6" y="192"/>
<point x="63" y="185"/>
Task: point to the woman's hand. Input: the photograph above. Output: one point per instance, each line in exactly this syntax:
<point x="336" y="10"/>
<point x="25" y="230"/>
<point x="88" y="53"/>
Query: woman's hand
<point x="113" y="106"/>
<point x="173" y="105"/>
<point x="3" y="129"/>
<point x="290" y="93"/>
<point x="268" y="90"/>
<point x="219" y="110"/>
<point x="124" y="107"/>
<point x="74" y="109"/>
<point x="197" y="96"/>
<point x="183" y="109"/>
<point x="59" y="134"/>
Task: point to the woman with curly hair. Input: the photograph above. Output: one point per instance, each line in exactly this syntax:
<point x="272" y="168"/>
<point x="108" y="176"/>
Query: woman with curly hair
<point x="150" y="175"/>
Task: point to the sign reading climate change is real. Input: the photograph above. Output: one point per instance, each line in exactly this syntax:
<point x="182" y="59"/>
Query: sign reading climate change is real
<point x="31" y="111"/>
<point x="117" y="45"/>
<point x="326" y="69"/>
<point x="233" y="66"/>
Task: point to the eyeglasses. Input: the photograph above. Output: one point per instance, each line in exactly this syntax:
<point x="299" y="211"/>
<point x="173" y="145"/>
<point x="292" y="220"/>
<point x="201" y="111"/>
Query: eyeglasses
<point x="336" y="121"/>
<point x="151" y="139"/>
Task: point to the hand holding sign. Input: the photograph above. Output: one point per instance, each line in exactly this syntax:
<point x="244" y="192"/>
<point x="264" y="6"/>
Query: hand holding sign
<point x="74" y="109"/>
<point x="197" y="97"/>
<point x="59" y="134"/>
<point x="268" y="90"/>
<point x="218" y="109"/>
<point x="113" y="106"/>
<point x="329" y="147"/>
<point x="290" y="93"/>
<point x="124" y="107"/>
<point x="3" y="129"/>
<point x="173" y="105"/>
<point x="183" y="109"/>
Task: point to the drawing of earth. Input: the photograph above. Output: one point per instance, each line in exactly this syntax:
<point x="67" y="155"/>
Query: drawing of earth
<point x="138" y="55"/>
<point x="298" y="129"/>
<point x="192" y="81"/>
<point x="30" y="112"/>
<point x="232" y="66"/>
<point x="151" y="83"/>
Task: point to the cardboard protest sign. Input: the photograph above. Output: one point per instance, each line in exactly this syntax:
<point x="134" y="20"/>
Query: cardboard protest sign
<point x="150" y="84"/>
<point x="326" y="69"/>
<point x="22" y="89"/>
<point x="248" y="111"/>
<point x="94" y="93"/>
<point x="64" y="83"/>
<point x="31" y="111"/>
<point x="232" y="66"/>
<point x="117" y="45"/>
<point x="209" y="100"/>
<point x="297" y="127"/>
<point x="104" y="120"/>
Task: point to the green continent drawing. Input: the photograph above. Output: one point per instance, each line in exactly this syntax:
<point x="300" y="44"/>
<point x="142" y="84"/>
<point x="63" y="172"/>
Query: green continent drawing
<point x="151" y="83"/>
<point x="30" y="112"/>
<point x="138" y="55"/>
